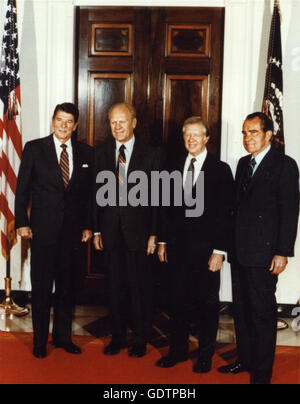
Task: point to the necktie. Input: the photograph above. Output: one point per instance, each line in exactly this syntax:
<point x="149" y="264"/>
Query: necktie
<point x="190" y="174"/>
<point x="121" y="166"/>
<point x="248" y="174"/>
<point x="64" y="165"/>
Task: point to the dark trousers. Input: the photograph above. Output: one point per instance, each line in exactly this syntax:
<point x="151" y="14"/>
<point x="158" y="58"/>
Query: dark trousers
<point x="194" y="291"/>
<point x="255" y="315"/>
<point x="130" y="292"/>
<point x="53" y="264"/>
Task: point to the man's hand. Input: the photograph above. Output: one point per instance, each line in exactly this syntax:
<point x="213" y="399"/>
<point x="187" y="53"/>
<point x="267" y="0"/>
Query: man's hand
<point x="151" y="245"/>
<point x="86" y="236"/>
<point x="215" y="262"/>
<point x="278" y="264"/>
<point x="98" y="243"/>
<point x="25" y="232"/>
<point x="162" y="253"/>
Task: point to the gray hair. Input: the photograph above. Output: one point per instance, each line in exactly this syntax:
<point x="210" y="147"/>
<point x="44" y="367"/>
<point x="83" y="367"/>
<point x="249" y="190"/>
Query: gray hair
<point x="197" y="120"/>
<point x="130" y="108"/>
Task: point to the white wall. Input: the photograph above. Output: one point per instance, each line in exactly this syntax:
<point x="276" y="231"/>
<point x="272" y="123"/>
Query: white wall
<point x="46" y="29"/>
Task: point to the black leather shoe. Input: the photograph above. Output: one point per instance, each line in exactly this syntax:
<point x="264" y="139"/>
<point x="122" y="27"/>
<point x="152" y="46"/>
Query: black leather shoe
<point x="202" y="366"/>
<point x="40" y="353"/>
<point x="138" y="351"/>
<point x="171" y="360"/>
<point x="114" y="348"/>
<point x="234" y="368"/>
<point x="70" y="347"/>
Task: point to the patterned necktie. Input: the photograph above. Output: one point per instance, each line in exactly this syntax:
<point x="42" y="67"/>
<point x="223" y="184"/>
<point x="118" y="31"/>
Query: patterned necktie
<point x="121" y="166"/>
<point x="248" y="174"/>
<point x="64" y="165"/>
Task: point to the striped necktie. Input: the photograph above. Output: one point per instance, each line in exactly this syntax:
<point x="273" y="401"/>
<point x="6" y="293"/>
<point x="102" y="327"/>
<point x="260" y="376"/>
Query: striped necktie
<point x="64" y="165"/>
<point x="121" y="166"/>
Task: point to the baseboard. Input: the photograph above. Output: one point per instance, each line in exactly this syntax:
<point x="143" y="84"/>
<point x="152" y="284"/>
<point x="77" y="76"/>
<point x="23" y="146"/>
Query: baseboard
<point x="284" y="310"/>
<point x="24" y="297"/>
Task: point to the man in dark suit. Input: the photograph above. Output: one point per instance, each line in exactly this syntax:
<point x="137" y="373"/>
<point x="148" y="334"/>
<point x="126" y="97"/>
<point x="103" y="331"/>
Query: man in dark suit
<point x="127" y="233"/>
<point x="56" y="174"/>
<point x="195" y="248"/>
<point x="267" y="191"/>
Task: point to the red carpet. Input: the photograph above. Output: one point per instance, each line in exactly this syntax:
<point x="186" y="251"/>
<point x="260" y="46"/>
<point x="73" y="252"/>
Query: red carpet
<point x="18" y="366"/>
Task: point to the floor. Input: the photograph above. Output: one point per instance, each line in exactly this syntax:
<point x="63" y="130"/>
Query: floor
<point x="93" y="321"/>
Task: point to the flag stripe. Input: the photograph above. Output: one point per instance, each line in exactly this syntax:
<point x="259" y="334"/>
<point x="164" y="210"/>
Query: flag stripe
<point x="5" y="167"/>
<point x="5" y="209"/>
<point x="11" y="128"/>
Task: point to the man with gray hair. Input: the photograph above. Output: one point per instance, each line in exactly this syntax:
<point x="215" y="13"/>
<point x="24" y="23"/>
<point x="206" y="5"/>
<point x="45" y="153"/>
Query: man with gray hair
<point x="126" y="233"/>
<point x="195" y="247"/>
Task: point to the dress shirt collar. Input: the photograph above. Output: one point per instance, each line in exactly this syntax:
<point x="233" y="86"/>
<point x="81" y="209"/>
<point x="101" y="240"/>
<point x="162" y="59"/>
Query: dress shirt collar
<point x="199" y="159"/>
<point x="259" y="158"/>
<point x="128" y="145"/>
<point x="58" y="143"/>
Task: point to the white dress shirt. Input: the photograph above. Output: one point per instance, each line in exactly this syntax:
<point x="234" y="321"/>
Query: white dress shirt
<point x="69" y="150"/>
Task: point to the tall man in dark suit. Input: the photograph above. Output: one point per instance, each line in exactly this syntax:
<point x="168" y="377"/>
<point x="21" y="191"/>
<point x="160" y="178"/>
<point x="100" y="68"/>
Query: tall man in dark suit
<point x="195" y="248"/>
<point x="267" y="191"/>
<point x="56" y="173"/>
<point x="127" y="233"/>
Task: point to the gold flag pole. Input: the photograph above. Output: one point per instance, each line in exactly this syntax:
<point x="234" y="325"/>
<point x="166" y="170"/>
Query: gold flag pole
<point x="8" y="306"/>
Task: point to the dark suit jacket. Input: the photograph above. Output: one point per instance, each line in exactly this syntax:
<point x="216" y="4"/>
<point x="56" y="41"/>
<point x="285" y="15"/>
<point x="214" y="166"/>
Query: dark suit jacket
<point x="40" y="178"/>
<point x="214" y="228"/>
<point x="267" y="215"/>
<point x="137" y="223"/>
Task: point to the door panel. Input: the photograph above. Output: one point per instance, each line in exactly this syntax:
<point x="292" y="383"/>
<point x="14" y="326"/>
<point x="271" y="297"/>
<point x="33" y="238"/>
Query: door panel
<point x="190" y="91"/>
<point x="104" y="91"/>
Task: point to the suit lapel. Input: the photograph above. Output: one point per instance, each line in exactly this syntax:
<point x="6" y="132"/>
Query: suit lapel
<point x="240" y="176"/>
<point x="262" y="170"/>
<point x="51" y="158"/>
<point x="209" y="169"/>
<point x="76" y="162"/>
<point x="111" y="156"/>
<point x="181" y="163"/>
<point x="138" y="154"/>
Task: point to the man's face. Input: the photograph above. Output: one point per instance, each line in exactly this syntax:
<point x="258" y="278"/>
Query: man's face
<point x="195" y="138"/>
<point x="122" y="124"/>
<point x="63" y="126"/>
<point x="255" y="139"/>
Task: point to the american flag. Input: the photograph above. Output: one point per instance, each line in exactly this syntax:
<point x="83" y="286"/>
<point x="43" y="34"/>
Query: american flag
<point x="273" y="96"/>
<point x="10" y="127"/>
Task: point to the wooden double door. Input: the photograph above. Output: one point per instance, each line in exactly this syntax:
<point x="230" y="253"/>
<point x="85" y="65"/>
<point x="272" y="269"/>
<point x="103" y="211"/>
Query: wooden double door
<point x="167" y="62"/>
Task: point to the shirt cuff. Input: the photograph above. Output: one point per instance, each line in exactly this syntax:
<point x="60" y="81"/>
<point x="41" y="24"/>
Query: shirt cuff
<point x="219" y="252"/>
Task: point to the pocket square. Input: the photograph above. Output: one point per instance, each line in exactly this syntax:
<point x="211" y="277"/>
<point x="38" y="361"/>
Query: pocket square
<point x="85" y="166"/>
